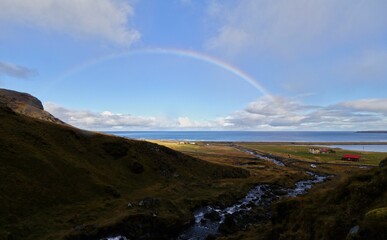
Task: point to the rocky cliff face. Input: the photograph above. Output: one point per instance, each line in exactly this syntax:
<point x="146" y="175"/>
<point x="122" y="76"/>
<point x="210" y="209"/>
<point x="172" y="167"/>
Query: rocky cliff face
<point x="26" y="104"/>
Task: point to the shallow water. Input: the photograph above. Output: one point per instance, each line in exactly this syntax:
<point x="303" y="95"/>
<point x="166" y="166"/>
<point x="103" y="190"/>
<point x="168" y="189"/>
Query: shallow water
<point x="363" y="148"/>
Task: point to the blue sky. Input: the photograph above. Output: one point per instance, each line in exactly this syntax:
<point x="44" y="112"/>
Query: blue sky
<point x="168" y="65"/>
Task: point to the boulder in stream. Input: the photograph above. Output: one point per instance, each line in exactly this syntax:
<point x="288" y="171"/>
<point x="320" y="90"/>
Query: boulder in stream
<point x="213" y="216"/>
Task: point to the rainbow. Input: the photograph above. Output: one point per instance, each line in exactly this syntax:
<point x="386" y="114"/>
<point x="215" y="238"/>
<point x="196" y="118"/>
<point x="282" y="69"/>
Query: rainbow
<point x="176" y="52"/>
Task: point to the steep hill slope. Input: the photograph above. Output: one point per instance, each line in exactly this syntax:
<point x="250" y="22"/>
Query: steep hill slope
<point x="58" y="181"/>
<point x="26" y="104"/>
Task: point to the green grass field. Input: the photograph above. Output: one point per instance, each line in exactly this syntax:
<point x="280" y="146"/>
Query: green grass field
<point x="301" y="152"/>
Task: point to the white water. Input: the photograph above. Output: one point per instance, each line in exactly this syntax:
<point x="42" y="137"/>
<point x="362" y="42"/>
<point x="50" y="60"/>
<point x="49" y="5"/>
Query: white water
<point x="115" y="238"/>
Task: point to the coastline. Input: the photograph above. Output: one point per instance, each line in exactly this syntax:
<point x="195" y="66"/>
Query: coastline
<point x="304" y="138"/>
<point x="270" y="143"/>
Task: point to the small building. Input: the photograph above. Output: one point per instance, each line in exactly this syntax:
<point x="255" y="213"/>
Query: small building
<point x="321" y="151"/>
<point x="324" y="151"/>
<point x="351" y="157"/>
<point x="314" y="150"/>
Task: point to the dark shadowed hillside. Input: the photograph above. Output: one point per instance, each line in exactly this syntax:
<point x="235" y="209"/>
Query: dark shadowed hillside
<point x="58" y="181"/>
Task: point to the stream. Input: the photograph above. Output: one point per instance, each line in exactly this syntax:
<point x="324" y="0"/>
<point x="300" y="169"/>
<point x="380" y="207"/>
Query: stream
<point x="259" y="156"/>
<point x="212" y="220"/>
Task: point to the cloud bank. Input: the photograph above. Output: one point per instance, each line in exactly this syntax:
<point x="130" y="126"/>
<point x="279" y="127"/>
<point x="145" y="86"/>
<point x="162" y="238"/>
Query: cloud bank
<point x="105" y="19"/>
<point x="263" y="114"/>
<point x="109" y="121"/>
<point x="288" y="114"/>
<point x="15" y="71"/>
<point x="104" y="120"/>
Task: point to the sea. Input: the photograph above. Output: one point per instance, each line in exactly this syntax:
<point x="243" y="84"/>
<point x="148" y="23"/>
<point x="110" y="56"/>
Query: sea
<point x="267" y="136"/>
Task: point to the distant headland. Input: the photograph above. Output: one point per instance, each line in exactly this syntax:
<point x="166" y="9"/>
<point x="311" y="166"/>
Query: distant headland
<point x="371" y="132"/>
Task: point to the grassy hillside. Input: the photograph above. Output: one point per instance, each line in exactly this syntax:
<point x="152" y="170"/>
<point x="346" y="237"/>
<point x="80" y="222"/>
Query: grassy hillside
<point x="57" y="181"/>
<point x="360" y="200"/>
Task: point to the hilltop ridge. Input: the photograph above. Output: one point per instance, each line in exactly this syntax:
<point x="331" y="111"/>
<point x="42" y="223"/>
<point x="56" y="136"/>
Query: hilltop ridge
<point x="26" y="104"/>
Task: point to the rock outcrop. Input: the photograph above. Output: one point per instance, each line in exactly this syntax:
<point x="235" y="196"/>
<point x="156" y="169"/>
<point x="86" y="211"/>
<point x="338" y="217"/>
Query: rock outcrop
<point x="24" y="103"/>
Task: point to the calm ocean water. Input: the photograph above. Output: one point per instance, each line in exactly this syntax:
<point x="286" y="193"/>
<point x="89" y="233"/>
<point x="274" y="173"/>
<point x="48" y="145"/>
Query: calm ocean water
<point x="265" y="136"/>
<point x="262" y="136"/>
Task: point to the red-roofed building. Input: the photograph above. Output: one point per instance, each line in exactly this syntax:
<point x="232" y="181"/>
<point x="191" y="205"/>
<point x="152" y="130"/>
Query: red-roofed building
<point x="324" y="150"/>
<point x="351" y="157"/>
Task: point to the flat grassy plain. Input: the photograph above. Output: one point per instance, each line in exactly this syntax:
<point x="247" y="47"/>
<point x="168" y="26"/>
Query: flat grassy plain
<point x="267" y="172"/>
<point x="301" y="153"/>
<point x="300" y="158"/>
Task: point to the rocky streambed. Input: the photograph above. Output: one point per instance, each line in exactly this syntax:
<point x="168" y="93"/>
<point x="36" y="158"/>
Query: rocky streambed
<point x="255" y="206"/>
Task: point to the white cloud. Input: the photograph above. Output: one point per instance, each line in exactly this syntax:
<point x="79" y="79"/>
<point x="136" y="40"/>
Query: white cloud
<point x="16" y="71"/>
<point x="263" y="114"/>
<point x="105" y="120"/>
<point x="291" y="27"/>
<point x="367" y="105"/>
<point x="289" y="114"/>
<point x="277" y="106"/>
<point x="105" y="19"/>
<point x="266" y="113"/>
<point x="185" y="122"/>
